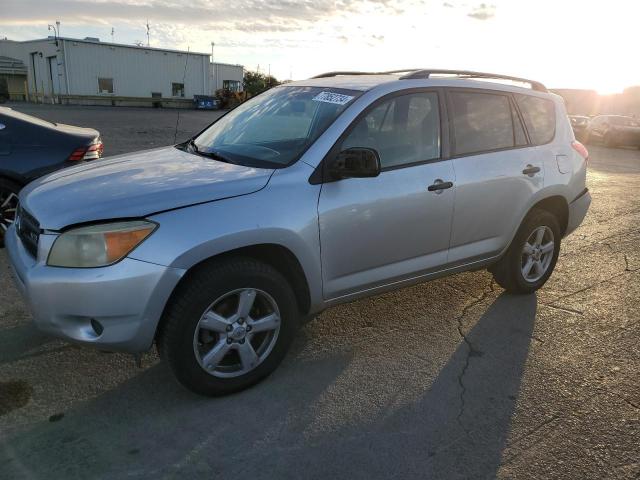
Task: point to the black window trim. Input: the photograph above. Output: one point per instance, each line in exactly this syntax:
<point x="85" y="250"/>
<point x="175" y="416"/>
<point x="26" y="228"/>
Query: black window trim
<point x="512" y="103"/>
<point x="320" y="176"/>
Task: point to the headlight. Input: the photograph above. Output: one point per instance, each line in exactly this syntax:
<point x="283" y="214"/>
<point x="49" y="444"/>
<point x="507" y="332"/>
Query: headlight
<point x="98" y="245"/>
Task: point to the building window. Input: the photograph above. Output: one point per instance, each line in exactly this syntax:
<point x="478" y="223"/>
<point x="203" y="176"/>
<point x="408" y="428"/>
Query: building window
<point x="177" y="89"/>
<point x="231" y="85"/>
<point x="105" y="85"/>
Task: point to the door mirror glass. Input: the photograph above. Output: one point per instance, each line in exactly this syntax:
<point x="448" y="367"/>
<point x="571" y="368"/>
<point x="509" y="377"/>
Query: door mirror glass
<point x="355" y="163"/>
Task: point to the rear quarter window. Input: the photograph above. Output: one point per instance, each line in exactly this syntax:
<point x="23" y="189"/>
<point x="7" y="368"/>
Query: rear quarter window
<point x="539" y="117"/>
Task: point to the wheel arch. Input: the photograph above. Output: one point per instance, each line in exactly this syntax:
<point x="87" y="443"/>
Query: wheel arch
<point x="558" y="206"/>
<point x="275" y="255"/>
<point x="13" y="177"/>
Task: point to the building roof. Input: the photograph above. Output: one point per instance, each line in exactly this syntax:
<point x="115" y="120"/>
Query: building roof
<point x="12" y="66"/>
<point x="109" y="44"/>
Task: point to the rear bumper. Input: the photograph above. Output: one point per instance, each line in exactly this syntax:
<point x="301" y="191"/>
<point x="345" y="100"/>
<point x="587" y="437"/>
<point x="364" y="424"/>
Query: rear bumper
<point x="124" y="301"/>
<point x="577" y="211"/>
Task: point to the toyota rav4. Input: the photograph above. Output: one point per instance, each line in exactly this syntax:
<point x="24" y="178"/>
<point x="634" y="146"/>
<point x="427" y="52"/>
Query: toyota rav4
<point x="309" y="195"/>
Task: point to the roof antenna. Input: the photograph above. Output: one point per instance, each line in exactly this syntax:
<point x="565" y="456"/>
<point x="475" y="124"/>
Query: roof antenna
<point x="184" y="76"/>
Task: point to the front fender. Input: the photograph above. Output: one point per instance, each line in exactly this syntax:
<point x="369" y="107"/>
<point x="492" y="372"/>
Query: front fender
<point x="283" y="214"/>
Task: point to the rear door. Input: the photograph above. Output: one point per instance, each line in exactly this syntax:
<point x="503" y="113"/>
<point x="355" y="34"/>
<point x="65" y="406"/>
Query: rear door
<point x="497" y="172"/>
<point x="376" y="231"/>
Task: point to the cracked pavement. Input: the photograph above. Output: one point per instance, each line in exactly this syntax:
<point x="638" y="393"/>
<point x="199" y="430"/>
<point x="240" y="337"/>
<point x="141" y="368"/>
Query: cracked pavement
<point x="449" y="379"/>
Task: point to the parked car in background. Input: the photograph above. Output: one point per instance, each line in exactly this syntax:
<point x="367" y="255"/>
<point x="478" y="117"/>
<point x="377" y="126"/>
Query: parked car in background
<point x="579" y="123"/>
<point x="311" y="194"/>
<point x="31" y="147"/>
<point x="614" y="131"/>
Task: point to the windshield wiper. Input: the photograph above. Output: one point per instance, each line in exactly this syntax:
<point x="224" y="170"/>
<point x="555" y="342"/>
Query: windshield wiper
<point x="215" y="155"/>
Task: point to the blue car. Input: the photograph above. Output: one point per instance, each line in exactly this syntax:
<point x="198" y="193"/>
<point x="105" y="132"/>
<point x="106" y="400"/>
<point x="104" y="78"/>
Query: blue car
<point x="30" y="148"/>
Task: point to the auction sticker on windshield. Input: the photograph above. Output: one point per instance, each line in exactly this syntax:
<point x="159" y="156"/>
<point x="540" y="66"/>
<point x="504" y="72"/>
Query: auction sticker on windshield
<point x="330" y="97"/>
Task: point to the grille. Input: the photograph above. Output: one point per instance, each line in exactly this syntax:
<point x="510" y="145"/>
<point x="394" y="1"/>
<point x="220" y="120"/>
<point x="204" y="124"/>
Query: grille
<point x="28" y="230"/>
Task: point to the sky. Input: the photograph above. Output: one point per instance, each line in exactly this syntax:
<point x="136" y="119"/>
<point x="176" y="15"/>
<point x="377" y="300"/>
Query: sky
<point x="563" y="43"/>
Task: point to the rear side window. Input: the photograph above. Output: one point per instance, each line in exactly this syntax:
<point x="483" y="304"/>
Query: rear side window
<point x="482" y="122"/>
<point x="539" y="117"/>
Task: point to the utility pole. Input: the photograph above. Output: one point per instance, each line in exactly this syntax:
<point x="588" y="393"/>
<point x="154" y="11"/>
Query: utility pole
<point x="148" y="38"/>
<point x="112" y="33"/>
<point x="58" y="25"/>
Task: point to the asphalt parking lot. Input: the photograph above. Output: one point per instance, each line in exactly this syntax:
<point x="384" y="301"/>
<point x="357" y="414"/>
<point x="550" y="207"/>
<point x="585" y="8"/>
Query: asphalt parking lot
<point x="450" y="379"/>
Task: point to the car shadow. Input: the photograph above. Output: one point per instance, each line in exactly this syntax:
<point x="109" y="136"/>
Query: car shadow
<point x="456" y="427"/>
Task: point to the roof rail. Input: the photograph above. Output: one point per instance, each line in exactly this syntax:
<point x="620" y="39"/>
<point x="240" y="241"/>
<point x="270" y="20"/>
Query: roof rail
<point x="414" y="74"/>
<point x="389" y="72"/>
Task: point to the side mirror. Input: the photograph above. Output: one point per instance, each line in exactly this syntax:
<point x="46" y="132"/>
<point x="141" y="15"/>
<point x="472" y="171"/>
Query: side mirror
<point x="355" y="163"/>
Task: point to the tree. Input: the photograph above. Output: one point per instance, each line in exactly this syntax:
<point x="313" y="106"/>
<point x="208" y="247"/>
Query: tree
<point x="256" y="82"/>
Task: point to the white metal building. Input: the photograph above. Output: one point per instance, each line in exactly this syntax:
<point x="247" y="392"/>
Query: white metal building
<point x="67" y="70"/>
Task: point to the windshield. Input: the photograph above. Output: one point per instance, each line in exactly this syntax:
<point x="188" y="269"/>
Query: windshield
<point x="275" y="128"/>
<point x="624" y="122"/>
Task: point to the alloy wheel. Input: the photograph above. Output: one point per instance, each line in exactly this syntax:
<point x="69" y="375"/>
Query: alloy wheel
<point x="537" y="254"/>
<point x="8" y="207"/>
<point x="237" y="332"/>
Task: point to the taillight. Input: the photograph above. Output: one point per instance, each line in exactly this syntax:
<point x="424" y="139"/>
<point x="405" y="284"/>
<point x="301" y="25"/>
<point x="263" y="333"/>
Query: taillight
<point x="581" y="149"/>
<point x="95" y="150"/>
<point x="77" y="154"/>
<point x="91" y="152"/>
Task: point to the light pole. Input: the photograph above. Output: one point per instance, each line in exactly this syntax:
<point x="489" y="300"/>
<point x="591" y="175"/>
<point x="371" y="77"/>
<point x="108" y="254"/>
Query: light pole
<point x="213" y="71"/>
<point x="56" y="35"/>
<point x="55" y="31"/>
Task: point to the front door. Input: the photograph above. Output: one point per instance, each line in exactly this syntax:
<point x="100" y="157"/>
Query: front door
<point x="376" y="231"/>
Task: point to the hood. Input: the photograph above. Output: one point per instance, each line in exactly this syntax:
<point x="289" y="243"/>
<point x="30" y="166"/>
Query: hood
<point x="136" y="185"/>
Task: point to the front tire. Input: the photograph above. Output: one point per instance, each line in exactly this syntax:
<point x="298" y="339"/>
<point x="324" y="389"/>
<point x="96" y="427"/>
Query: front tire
<point x="8" y="206"/>
<point x="228" y="326"/>
<point x="532" y="256"/>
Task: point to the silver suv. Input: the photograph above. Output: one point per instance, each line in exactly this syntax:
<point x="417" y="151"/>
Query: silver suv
<point x="309" y="195"/>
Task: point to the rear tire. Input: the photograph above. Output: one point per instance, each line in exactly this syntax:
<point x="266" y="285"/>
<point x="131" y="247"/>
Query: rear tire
<point x="532" y="255"/>
<point x="8" y="204"/>
<point x="213" y="344"/>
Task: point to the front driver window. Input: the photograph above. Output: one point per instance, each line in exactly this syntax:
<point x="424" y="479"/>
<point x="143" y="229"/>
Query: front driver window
<point x="403" y="130"/>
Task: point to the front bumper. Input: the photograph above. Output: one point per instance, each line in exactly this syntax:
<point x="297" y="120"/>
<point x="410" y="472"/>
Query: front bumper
<point x="577" y="211"/>
<point x="114" y="308"/>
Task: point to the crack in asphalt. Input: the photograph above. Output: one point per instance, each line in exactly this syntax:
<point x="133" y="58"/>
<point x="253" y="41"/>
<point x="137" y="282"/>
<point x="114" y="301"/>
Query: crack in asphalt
<point x="601" y="241"/>
<point x="562" y="309"/>
<point x="601" y="282"/>
<point x="471" y="352"/>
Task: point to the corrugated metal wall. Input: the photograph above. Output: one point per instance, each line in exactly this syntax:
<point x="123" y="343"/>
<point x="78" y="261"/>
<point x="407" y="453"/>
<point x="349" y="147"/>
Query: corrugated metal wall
<point x="224" y="71"/>
<point x="74" y="66"/>
<point x="38" y="57"/>
<point x="136" y="72"/>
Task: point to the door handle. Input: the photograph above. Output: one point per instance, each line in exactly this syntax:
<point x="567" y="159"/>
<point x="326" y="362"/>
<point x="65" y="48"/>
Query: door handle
<point x="439" y="185"/>
<point x="531" y="170"/>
